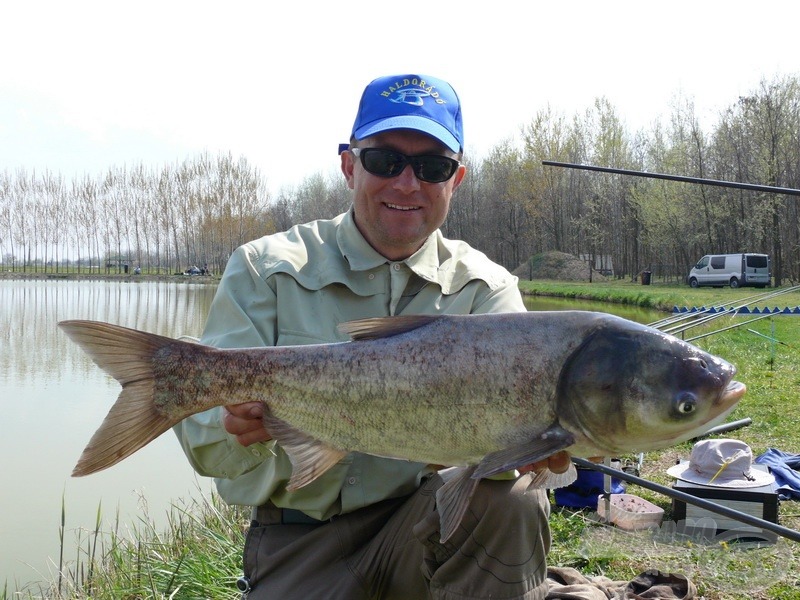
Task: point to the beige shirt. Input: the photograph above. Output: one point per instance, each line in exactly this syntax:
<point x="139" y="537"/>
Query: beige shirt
<point x="295" y="288"/>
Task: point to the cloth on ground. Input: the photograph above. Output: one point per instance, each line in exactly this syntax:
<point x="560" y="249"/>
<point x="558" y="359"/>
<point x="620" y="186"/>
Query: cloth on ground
<point x="784" y="467"/>
<point x="569" y="584"/>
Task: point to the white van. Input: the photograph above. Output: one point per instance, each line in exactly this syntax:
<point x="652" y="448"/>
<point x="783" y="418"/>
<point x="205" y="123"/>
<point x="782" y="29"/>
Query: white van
<point x="735" y="270"/>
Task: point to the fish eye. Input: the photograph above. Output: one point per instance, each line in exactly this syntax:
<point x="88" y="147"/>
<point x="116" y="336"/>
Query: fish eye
<point x="686" y="404"/>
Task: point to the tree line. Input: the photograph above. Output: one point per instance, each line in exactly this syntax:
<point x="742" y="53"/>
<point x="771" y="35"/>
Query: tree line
<point x="510" y="206"/>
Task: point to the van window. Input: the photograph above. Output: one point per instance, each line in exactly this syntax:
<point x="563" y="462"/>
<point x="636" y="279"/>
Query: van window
<point x="757" y="262"/>
<point x="703" y="262"/>
<point x="717" y="262"/>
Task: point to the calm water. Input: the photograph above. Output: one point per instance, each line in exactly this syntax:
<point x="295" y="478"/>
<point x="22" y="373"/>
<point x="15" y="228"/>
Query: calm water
<point x="634" y="313"/>
<point x="53" y="398"/>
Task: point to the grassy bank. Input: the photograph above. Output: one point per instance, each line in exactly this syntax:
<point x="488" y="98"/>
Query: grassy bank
<point x="660" y="296"/>
<point x="771" y="370"/>
<point x="198" y="555"/>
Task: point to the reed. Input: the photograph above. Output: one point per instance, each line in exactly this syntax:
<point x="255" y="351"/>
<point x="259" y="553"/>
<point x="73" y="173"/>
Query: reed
<point x="196" y="555"/>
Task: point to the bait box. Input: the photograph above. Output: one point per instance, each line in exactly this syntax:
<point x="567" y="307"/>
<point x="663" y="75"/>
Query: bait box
<point x="630" y="512"/>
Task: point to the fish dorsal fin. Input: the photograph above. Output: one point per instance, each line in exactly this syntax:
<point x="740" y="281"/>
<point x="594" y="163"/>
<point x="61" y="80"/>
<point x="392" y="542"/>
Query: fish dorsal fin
<point x="310" y="457"/>
<point x="538" y="448"/>
<point x="381" y="327"/>
<point x="452" y="500"/>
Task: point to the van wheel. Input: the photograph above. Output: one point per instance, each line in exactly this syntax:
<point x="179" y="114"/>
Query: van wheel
<point x="734" y="282"/>
<point x="693" y="282"/>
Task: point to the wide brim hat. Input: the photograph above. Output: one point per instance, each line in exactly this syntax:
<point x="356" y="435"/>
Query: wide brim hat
<point x="721" y="463"/>
<point x="419" y="102"/>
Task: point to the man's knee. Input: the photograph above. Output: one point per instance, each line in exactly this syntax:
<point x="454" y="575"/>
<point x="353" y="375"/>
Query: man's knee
<point x="499" y="549"/>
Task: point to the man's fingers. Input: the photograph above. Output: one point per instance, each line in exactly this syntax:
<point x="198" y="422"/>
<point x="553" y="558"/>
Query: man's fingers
<point x="252" y="437"/>
<point x="244" y="421"/>
<point x="247" y="410"/>
<point x="559" y="462"/>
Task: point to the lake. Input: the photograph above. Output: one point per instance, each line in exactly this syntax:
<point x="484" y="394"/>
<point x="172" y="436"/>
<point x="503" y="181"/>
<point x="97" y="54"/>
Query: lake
<point x="53" y="398"/>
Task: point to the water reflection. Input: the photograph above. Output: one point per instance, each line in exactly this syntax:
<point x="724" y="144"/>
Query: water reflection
<point x="31" y="310"/>
<point x="52" y="399"/>
<point x="634" y="313"/>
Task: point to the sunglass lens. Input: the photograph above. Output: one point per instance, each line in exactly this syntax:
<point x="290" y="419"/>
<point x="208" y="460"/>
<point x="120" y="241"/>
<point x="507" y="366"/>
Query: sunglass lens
<point x="388" y="163"/>
<point x="384" y="163"/>
<point x="434" y="169"/>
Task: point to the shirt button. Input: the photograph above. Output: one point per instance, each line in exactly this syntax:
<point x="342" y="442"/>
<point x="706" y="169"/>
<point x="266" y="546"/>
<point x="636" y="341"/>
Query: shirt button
<point x="396" y="266"/>
<point x="372" y="275"/>
<point x="255" y="452"/>
<point x="352" y="481"/>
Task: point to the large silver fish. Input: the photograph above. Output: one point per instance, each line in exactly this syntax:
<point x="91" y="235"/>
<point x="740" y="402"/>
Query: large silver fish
<point x="485" y="392"/>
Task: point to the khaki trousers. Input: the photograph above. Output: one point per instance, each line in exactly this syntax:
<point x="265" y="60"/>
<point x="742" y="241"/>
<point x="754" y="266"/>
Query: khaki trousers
<point x="391" y="550"/>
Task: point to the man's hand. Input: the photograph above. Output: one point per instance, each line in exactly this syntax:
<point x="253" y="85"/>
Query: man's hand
<point x="557" y="463"/>
<point x="244" y="421"/>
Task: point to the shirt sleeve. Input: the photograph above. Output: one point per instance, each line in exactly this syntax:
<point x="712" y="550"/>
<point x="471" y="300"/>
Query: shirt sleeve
<point x="505" y="298"/>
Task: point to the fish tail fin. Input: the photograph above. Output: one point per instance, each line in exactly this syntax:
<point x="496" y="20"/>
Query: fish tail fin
<point x="134" y="420"/>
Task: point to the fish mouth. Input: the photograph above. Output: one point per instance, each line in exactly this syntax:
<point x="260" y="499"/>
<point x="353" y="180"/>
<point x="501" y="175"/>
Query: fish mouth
<point x="731" y="394"/>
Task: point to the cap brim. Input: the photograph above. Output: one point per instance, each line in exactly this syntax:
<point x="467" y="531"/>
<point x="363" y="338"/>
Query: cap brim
<point x="423" y="124"/>
<point x="683" y="472"/>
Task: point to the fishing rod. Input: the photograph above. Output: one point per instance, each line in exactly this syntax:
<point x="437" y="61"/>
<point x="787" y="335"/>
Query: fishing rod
<point x="730" y="312"/>
<point x="679" y="325"/>
<point x="760" y="297"/>
<point x="725" y="511"/>
<point x="715" y="182"/>
<point x="734" y="326"/>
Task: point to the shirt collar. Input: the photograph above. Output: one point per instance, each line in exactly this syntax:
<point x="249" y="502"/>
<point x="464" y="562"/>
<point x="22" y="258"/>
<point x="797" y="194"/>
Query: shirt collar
<point x="433" y="262"/>
<point x="356" y="250"/>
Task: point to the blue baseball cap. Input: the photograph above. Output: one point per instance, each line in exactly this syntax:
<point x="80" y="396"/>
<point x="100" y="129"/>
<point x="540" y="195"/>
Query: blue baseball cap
<point x="419" y="102"/>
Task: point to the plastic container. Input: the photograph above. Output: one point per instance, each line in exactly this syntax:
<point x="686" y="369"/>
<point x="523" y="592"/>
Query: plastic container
<point x="582" y="492"/>
<point x="630" y="512"/>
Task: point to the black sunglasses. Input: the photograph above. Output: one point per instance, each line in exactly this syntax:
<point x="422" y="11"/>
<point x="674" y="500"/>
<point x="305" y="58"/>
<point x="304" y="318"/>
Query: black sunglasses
<point x="431" y="168"/>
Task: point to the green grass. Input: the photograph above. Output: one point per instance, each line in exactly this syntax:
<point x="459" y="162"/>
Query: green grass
<point x="199" y="553"/>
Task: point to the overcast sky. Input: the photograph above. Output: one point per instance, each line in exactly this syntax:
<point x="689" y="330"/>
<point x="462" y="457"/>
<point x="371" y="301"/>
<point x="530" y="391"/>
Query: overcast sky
<point x="85" y="86"/>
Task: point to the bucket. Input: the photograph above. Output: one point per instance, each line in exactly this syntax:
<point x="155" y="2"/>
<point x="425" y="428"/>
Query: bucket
<point x="583" y="492"/>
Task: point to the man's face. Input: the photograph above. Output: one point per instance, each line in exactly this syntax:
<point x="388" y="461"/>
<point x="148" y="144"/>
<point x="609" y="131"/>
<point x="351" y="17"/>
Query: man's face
<point x="397" y="214"/>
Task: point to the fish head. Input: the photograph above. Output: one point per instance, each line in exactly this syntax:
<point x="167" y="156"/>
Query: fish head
<point x="630" y="387"/>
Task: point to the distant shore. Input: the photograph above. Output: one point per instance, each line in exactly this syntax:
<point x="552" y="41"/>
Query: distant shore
<point x="127" y="277"/>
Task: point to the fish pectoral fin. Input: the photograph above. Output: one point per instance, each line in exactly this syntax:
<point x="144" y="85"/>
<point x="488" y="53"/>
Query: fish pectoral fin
<point x="452" y="500"/>
<point x="548" y="480"/>
<point x="309" y="456"/>
<point x="381" y="327"/>
<point x="553" y="439"/>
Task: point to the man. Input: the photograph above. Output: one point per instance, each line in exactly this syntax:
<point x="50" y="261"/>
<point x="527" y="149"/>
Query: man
<point x="368" y="528"/>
